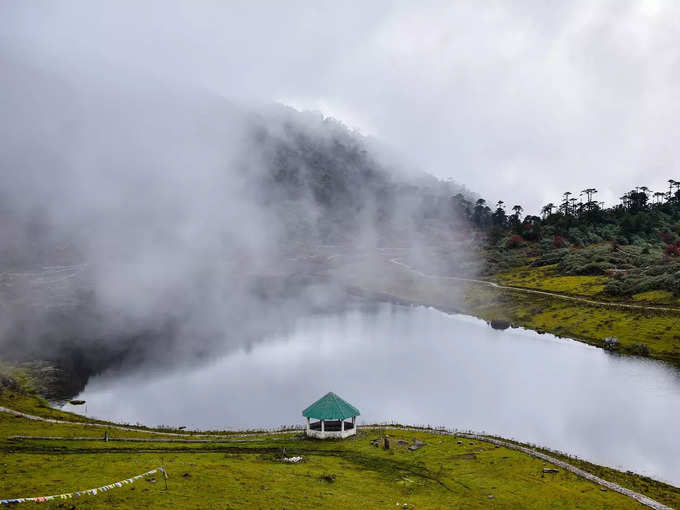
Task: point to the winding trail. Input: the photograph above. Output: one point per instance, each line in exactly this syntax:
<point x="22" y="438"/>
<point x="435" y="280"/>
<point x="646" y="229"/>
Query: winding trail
<point x="534" y="291"/>
<point x="143" y="431"/>
<point x="642" y="499"/>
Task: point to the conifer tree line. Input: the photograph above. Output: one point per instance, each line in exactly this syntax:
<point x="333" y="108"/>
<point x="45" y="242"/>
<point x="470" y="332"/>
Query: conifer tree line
<point x="580" y="217"/>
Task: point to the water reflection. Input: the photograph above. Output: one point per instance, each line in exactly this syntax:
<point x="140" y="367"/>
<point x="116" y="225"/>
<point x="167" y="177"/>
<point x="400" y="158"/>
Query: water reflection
<point x="421" y="366"/>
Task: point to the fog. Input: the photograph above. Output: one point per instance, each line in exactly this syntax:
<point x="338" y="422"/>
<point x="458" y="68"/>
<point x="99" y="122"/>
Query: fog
<point x="146" y="219"/>
<point x="156" y="180"/>
<point x="560" y="95"/>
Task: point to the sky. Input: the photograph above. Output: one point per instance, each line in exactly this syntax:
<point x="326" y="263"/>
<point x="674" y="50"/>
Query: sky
<point x="519" y="101"/>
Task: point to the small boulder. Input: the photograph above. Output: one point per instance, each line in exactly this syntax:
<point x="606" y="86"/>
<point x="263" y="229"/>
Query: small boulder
<point x="611" y="343"/>
<point x="551" y="470"/>
<point x="499" y="324"/>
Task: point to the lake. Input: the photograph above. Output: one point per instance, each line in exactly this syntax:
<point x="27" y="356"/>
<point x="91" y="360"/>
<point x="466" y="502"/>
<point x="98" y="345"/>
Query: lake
<point x="417" y="365"/>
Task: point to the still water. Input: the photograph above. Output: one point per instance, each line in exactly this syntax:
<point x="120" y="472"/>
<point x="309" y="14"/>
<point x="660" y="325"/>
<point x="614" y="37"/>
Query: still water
<point x="416" y="365"/>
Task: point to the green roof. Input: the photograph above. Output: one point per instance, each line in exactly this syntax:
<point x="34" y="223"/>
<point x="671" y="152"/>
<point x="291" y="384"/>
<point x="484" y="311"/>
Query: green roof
<point x="330" y="407"/>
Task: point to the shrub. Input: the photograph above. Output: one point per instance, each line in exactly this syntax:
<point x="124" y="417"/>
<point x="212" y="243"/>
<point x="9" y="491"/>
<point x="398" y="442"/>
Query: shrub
<point x="551" y="257"/>
<point x="559" y="242"/>
<point x="592" y="269"/>
<point x="514" y="241"/>
<point x="668" y="237"/>
<point x="672" y="250"/>
<point x="639" y="349"/>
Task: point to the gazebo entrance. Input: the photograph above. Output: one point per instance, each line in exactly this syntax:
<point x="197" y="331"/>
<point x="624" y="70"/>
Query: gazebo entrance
<point x="331" y="413"/>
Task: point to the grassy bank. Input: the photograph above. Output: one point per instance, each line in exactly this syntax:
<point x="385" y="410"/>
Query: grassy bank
<point x="448" y="472"/>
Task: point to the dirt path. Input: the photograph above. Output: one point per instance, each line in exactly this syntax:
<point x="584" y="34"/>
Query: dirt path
<point x="143" y="431"/>
<point x="533" y="291"/>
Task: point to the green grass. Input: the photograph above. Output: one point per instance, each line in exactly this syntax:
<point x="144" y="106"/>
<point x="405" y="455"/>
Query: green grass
<point x="657" y="297"/>
<point x="657" y="331"/>
<point x="248" y="474"/>
<point x="546" y="278"/>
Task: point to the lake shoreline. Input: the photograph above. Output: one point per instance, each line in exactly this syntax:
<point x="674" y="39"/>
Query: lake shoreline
<point x="581" y="322"/>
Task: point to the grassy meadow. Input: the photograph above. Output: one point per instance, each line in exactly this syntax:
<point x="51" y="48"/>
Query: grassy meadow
<point x="448" y="472"/>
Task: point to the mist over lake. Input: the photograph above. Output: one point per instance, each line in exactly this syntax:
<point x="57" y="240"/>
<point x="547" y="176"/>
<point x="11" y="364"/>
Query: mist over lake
<point x="417" y="365"/>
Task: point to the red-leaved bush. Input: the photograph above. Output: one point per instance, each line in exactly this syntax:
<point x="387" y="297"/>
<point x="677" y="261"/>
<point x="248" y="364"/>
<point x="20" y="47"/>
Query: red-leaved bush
<point x="515" y="241"/>
<point x="672" y="250"/>
<point x="559" y="242"/>
<point x="668" y="237"/>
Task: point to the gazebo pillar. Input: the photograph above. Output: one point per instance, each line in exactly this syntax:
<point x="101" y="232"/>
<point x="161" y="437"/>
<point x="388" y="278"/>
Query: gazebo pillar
<point x="342" y="425"/>
<point x="354" y="422"/>
<point x="307" y="426"/>
<point x="322" y="426"/>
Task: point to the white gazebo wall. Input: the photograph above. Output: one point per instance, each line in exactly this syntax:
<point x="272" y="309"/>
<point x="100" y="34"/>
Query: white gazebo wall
<point x="332" y="434"/>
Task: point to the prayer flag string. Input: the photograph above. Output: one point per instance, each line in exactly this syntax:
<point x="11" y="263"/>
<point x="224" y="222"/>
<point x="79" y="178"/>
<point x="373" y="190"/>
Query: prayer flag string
<point x="88" y="492"/>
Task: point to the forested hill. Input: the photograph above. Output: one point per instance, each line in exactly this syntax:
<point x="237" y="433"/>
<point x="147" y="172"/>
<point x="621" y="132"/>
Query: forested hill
<point x="330" y="185"/>
<point x="636" y="243"/>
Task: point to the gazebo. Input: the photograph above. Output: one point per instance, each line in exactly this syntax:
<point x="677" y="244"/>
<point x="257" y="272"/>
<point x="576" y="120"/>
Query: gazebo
<point x="331" y="411"/>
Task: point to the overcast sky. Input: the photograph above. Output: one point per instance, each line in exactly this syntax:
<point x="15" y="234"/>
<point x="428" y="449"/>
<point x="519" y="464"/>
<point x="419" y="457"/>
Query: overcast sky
<point x="519" y="101"/>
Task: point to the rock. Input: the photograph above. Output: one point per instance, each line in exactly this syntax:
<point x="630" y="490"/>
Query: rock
<point x="467" y="456"/>
<point x="402" y="442"/>
<point x="459" y="442"/>
<point x="417" y="445"/>
<point x="603" y="489"/>
<point x="551" y="470"/>
<point x="490" y="496"/>
<point x="499" y="324"/>
<point x="611" y="343"/>
<point x="330" y="478"/>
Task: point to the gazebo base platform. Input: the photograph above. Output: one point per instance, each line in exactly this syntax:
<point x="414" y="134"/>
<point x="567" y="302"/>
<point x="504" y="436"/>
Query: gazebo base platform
<point x="332" y="430"/>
